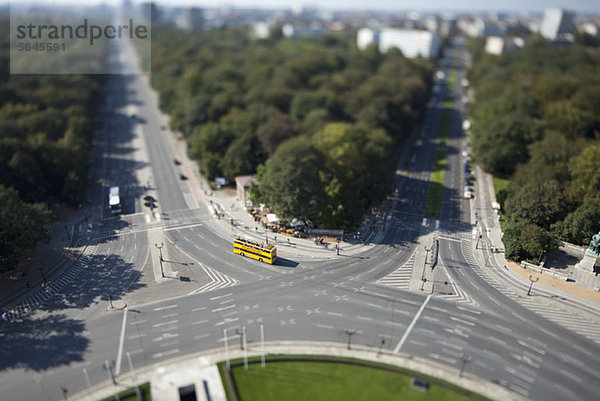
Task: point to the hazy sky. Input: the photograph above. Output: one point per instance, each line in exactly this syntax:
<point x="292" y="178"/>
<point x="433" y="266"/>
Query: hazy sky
<point x="476" y="5"/>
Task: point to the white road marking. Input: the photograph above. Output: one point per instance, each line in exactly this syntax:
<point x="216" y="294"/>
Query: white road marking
<point x="462" y="321"/>
<point x="229" y="338"/>
<point x="165" y="336"/>
<point x="324" y="326"/>
<point x="165" y="323"/>
<point x="201" y="336"/>
<point x="566" y="390"/>
<point x="519" y="374"/>
<point x="334" y="314"/>
<point x="199" y="322"/>
<point x="443" y="358"/>
<point x="199" y="309"/>
<point x="519" y="390"/>
<point x="164" y="307"/>
<point x="170" y="315"/>
<point x="468" y="310"/>
<point x="532" y="347"/>
<point x="518" y="317"/>
<point x="227" y="320"/>
<point x="161" y="354"/>
<point x="364" y="318"/>
<point x="503" y="328"/>
<point x="412" y="324"/>
<point x="571" y="376"/>
<point x="221" y="296"/>
<point x="121" y="342"/>
<point x="229" y="314"/>
<point x="169" y="328"/>
<point x="135" y="336"/>
<point x="222" y="309"/>
<point x="497" y="340"/>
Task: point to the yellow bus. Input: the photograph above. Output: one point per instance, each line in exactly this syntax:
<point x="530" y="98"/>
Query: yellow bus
<point x="260" y="252"/>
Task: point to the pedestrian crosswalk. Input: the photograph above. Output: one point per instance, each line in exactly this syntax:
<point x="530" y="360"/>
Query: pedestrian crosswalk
<point x="585" y="326"/>
<point x="37" y="298"/>
<point x="400" y="278"/>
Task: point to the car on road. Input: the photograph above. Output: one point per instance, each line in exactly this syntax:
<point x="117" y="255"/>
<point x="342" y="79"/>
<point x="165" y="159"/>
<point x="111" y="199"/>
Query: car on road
<point x="469" y="192"/>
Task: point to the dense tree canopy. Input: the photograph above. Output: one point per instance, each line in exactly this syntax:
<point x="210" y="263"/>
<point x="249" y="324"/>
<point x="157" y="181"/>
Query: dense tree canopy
<point x="536" y="120"/>
<point x="46" y="126"/>
<point x="22" y="226"/>
<point x="319" y="119"/>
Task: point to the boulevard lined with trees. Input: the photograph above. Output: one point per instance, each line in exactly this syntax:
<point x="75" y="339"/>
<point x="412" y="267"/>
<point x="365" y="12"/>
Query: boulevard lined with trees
<point x="318" y="120"/>
<point x="536" y="121"/>
<point x="45" y="140"/>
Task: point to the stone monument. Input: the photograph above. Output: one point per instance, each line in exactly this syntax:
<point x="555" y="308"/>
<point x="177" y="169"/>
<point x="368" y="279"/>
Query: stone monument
<point x="591" y="255"/>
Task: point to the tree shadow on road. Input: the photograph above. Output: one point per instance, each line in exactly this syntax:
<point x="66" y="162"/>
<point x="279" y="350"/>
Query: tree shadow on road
<point x="42" y="343"/>
<point x="102" y="278"/>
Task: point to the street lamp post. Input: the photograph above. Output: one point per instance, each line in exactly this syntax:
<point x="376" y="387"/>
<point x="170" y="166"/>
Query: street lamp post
<point x="262" y="346"/>
<point x="227" y="363"/>
<point x="245" y="348"/>
<point x="162" y="272"/>
<point x="381" y="345"/>
<point x="41" y="269"/>
<point x="424" y="264"/>
<point x="239" y="333"/>
<point x="464" y="358"/>
<point x="350" y="333"/>
<point x="531" y="284"/>
<point x="109" y="368"/>
<point x="132" y="372"/>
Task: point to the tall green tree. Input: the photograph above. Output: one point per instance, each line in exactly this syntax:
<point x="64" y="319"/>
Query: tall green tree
<point x="292" y="180"/>
<point x="23" y="225"/>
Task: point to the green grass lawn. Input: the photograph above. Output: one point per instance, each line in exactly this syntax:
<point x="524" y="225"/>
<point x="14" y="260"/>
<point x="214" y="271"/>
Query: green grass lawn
<point x="452" y="79"/>
<point x="436" y="181"/>
<point x="331" y="381"/>
<point x="129" y="394"/>
<point x="500" y="183"/>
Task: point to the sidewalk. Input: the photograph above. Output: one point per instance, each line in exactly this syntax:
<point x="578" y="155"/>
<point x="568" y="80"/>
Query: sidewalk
<point x="197" y="368"/>
<point x="493" y="230"/>
<point x="67" y="242"/>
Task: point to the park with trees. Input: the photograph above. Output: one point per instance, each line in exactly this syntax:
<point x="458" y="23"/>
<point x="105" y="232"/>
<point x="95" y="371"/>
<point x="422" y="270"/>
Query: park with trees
<point x="536" y="122"/>
<point x="318" y="120"/>
<point x="46" y="130"/>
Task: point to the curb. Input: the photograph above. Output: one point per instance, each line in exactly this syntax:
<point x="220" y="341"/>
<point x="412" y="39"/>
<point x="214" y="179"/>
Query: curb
<point x="213" y="356"/>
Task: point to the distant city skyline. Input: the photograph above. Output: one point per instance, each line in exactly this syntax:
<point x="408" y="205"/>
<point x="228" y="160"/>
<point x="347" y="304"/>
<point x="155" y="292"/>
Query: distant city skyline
<point x="587" y="6"/>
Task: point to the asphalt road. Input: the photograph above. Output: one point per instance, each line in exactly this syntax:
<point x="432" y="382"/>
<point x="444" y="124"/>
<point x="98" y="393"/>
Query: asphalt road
<point x="488" y="334"/>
